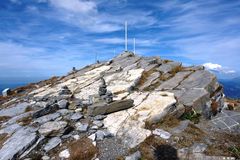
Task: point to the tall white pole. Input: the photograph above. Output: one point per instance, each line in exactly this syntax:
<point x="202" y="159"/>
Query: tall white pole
<point x="134" y="45"/>
<point x="126" y="38"/>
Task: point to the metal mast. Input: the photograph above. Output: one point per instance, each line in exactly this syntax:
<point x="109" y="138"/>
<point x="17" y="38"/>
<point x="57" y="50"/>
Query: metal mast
<point x="126" y="36"/>
<point x="134" y="45"/>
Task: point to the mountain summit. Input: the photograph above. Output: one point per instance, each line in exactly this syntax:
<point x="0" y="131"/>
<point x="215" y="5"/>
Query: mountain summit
<point x="120" y="98"/>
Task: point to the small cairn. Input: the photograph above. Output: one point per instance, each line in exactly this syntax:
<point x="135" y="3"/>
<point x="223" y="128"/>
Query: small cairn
<point x="65" y="91"/>
<point x="104" y="93"/>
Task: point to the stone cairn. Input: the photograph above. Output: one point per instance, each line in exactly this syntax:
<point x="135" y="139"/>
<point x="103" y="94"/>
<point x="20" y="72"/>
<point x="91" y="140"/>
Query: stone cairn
<point x="104" y="93"/>
<point x="65" y="91"/>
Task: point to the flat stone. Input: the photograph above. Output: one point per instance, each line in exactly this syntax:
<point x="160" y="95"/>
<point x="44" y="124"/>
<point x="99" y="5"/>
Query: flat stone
<point x="63" y="104"/>
<point x="200" y="79"/>
<point x="47" y="110"/>
<point x="92" y="137"/>
<point x="134" y="156"/>
<point x="14" y="110"/>
<point x="99" y="135"/>
<point x="82" y="127"/>
<point x="76" y="116"/>
<point x="46" y="118"/>
<point x="150" y="80"/>
<point x="163" y="134"/>
<point x="181" y="127"/>
<point x="53" y="128"/>
<point x="10" y="129"/>
<point x="19" y="142"/>
<point x="45" y="158"/>
<point x="99" y="117"/>
<point x="52" y="143"/>
<point x="64" y="112"/>
<point x="195" y="98"/>
<point x="104" y="108"/>
<point x="64" y="154"/>
<point x="168" y="67"/>
<point x="198" y="147"/>
<point x="99" y="124"/>
<point x="173" y="82"/>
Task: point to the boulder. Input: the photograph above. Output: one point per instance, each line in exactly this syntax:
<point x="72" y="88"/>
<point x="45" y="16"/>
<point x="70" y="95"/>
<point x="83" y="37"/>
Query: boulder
<point x="105" y="108"/>
<point x="19" y="142"/>
<point x="52" y="129"/>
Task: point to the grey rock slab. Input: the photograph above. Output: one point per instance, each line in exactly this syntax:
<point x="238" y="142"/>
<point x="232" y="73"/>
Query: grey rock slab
<point x="53" y="128"/>
<point x="19" y="142"/>
<point x="134" y="156"/>
<point x="229" y="121"/>
<point x="16" y="118"/>
<point x="63" y="104"/>
<point x="198" y="147"/>
<point x="163" y="134"/>
<point x="47" y="110"/>
<point x="200" y="79"/>
<point x="99" y="135"/>
<point x="14" y="110"/>
<point x="150" y="80"/>
<point x="104" y="108"/>
<point x="32" y="147"/>
<point x="10" y="129"/>
<point x="52" y="143"/>
<point x="195" y="98"/>
<point x="174" y="82"/>
<point x="64" y="112"/>
<point x="99" y="124"/>
<point x="46" y="118"/>
<point x="82" y="127"/>
<point x="179" y="129"/>
<point x="76" y="116"/>
<point x="99" y="117"/>
<point x="168" y="67"/>
<point x="236" y="118"/>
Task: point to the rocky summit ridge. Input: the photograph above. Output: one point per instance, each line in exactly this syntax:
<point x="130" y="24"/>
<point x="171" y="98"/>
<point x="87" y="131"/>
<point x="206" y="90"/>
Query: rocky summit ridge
<point x="119" y="98"/>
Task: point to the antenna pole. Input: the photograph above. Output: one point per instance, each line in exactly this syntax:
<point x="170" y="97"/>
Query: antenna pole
<point x="126" y="36"/>
<point x="134" y="45"/>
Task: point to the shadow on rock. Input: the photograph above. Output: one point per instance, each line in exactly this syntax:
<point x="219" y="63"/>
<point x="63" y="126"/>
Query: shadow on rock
<point x="163" y="152"/>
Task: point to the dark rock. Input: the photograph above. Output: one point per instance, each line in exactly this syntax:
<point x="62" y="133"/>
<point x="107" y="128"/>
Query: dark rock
<point x="47" y="110"/>
<point x="104" y="108"/>
<point x="65" y="91"/>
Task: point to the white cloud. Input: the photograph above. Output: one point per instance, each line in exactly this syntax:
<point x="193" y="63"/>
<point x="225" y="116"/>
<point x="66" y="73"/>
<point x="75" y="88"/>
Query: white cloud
<point x="218" y="68"/>
<point x="75" y="5"/>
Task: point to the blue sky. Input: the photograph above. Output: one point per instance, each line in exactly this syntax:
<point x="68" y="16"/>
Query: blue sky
<point x="42" y="38"/>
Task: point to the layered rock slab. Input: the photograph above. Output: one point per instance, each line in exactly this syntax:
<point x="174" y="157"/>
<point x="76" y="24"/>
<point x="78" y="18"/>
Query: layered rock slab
<point x="19" y="142"/>
<point x="129" y="125"/>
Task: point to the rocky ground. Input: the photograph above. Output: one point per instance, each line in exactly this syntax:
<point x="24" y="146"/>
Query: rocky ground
<point x="130" y="107"/>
